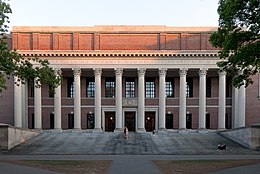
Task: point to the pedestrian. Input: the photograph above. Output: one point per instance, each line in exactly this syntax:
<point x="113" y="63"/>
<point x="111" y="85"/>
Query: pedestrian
<point x="126" y="133"/>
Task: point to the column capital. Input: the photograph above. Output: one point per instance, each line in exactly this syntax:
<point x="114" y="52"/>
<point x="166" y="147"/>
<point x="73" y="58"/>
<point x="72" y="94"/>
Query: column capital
<point x="141" y="71"/>
<point x="118" y="71"/>
<point x="97" y="71"/>
<point x="57" y="71"/>
<point x="76" y="71"/>
<point x="203" y="71"/>
<point x="162" y="72"/>
<point x="183" y="71"/>
<point x="222" y="73"/>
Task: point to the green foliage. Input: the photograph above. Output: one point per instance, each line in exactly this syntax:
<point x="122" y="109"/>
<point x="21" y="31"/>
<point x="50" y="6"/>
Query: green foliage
<point x="238" y="37"/>
<point x="13" y="64"/>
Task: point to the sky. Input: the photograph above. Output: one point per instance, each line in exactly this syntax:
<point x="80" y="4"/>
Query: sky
<point x="114" y="12"/>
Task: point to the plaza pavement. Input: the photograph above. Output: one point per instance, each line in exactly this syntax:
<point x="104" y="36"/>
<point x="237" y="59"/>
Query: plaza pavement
<point x="132" y="155"/>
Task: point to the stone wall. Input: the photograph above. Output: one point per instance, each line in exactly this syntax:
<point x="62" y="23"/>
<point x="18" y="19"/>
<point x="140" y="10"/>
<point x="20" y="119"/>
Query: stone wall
<point x="246" y="136"/>
<point x="12" y="136"/>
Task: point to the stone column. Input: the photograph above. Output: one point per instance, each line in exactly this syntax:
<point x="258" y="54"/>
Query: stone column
<point x="241" y="106"/>
<point x="119" y="100"/>
<point x="202" y="98"/>
<point x="57" y="104"/>
<point x="222" y="100"/>
<point x="141" y="100"/>
<point x="77" y="99"/>
<point x="17" y="102"/>
<point x="25" y="105"/>
<point x="37" y="105"/>
<point x="162" y="98"/>
<point x="182" y="100"/>
<point x="234" y="107"/>
<point x="97" y="73"/>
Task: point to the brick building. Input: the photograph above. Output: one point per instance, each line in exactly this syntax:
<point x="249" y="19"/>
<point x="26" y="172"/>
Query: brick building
<point x="143" y="77"/>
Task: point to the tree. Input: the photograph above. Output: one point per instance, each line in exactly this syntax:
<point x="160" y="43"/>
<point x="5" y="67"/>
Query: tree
<point x="238" y="38"/>
<point x="13" y="64"/>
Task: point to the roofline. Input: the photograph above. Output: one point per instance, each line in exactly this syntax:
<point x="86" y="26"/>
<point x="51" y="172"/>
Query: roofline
<point x="111" y="28"/>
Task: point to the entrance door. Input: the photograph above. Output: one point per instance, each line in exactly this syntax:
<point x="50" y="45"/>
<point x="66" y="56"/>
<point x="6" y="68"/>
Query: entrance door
<point x="188" y="121"/>
<point x="110" y="121"/>
<point x="149" y="121"/>
<point x="51" y="121"/>
<point x="71" y="121"/>
<point x="169" y="121"/>
<point x="130" y="121"/>
<point x="90" y="121"/>
<point x="207" y="121"/>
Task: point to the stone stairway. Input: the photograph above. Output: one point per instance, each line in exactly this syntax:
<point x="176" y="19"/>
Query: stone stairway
<point x="114" y="143"/>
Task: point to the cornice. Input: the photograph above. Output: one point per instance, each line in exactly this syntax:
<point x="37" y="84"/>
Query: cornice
<point x="117" y="54"/>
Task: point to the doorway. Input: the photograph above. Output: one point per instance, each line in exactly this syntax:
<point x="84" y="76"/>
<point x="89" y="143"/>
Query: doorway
<point x="207" y="121"/>
<point x="189" y="121"/>
<point x="169" y="121"/>
<point x="149" y="121"/>
<point x="130" y="121"/>
<point x="70" y="121"/>
<point x="51" y="121"/>
<point x="90" y="121"/>
<point x="109" y="121"/>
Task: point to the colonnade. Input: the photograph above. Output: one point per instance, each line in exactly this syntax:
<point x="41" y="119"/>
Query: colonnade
<point x="239" y="103"/>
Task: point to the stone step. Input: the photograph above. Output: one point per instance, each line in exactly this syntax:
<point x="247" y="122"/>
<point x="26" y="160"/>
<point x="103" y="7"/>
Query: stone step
<point x="136" y="144"/>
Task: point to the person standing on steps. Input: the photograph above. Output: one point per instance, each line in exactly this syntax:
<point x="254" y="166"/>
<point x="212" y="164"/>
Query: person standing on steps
<point x="126" y="133"/>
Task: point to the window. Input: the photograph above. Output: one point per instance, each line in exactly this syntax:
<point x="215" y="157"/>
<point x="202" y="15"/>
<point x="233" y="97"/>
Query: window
<point x="189" y="87"/>
<point x="169" y="84"/>
<point x="208" y="87"/>
<point x="110" y="87"/>
<point x="130" y="88"/>
<point x="70" y="91"/>
<point x="150" y="88"/>
<point x="90" y="88"/>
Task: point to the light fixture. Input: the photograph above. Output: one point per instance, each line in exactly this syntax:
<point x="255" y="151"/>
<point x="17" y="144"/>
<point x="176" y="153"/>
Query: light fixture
<point x="148" y="118"/>
<point x="111" y="118"/>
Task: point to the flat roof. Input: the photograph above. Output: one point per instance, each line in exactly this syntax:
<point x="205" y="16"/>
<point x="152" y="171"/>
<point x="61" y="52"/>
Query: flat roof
<point x="110" y="28"/>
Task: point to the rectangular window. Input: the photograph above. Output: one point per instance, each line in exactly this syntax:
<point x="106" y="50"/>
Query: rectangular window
<point x="110" y="87"/>
<point x="90" y="88"/>
<point x="130" y="88"/>
<point x="169" y="88"/>
<point x="150" y="88"/>
<point x="208" y="87"/>
<point x="189" y="87"/>
<point x="70" y="91"/>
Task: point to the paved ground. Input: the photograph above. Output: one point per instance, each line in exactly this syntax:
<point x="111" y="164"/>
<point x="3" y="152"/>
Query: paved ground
<point x="132" y="155"/>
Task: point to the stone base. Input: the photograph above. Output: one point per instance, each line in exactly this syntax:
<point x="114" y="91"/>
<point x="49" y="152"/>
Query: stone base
<point x="97" y="130"/>
<point x="140" y="130"/>
<point x="202" y="130"/>
<point x="119" y="130"/>
<point x="76" y="130"/>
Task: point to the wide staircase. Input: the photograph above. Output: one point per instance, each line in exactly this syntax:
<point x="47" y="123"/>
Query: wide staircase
<point x="114" y="143"/>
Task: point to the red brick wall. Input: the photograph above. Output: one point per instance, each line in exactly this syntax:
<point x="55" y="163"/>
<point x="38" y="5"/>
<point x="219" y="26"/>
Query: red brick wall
<point x="111" y="41"/>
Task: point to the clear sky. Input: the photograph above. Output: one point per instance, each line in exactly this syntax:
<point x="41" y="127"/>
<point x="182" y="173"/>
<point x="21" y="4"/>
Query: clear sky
<point x="114" y="12"/>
